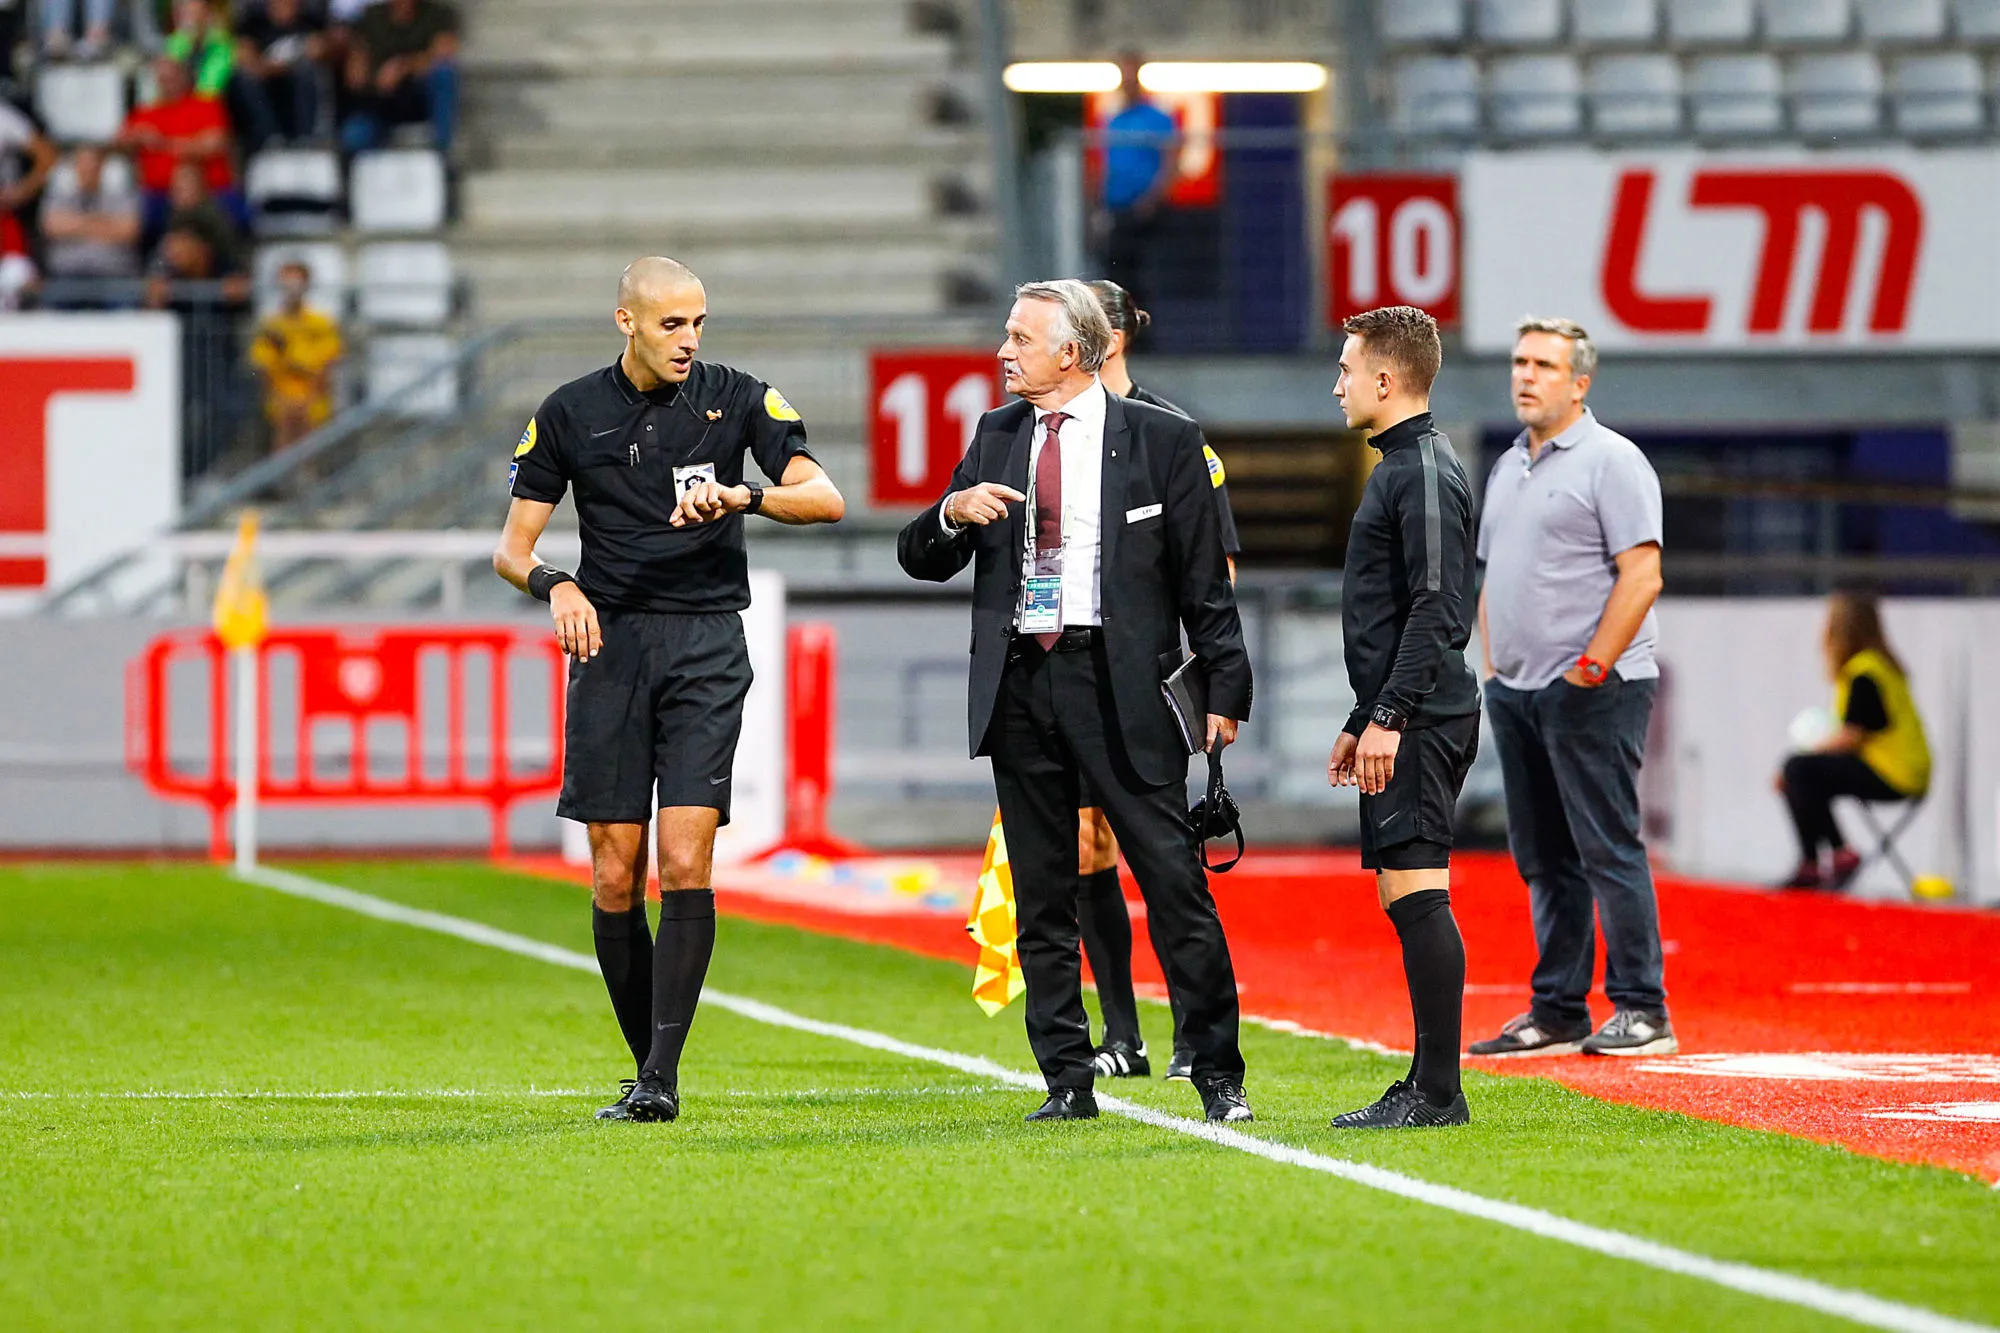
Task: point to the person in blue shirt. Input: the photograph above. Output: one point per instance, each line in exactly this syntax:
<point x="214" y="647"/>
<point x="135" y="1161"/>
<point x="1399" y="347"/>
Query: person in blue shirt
<point x="1141" y="149"/>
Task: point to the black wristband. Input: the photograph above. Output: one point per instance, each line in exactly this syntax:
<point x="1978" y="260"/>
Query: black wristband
<point x="542" y="580"/>
<point x="756" y="497"/>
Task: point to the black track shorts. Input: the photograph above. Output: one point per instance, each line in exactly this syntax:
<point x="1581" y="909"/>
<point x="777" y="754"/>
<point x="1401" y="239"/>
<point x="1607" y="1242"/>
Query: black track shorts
<point x="1408" y="827"/>
<point x="662" y="705"/>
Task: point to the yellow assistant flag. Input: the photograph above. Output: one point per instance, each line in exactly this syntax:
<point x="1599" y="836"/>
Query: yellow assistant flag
<point x="242" y="612"/>
<point x="996" y="980"/>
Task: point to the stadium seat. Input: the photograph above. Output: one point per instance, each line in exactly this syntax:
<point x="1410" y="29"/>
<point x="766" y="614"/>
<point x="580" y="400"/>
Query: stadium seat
<point x="1735" y="96"/>
<point x="1417" y="22"/>
<point x="1519" y="22"/>
<point x="1711" y="22"/>
<point x="1635" y="96"/>
<point x="406" y="283"/>
<point x="397" y="360"/>
<point x="1438" y="95"/>
<point x="1902" y="20"/>
<point x="401" y="189"/>
<point x="1535" y="97"/>
<point x="1616" y="22"/>
<point x="1935" y="96"/>
<point x="1836" y="94"/>
<point x="1805" y="22"/>
<point x="326" y="260"/>
<point x="1976" y="20"/>
<point x="80" y="103"/>
<point x="294" y="191"/>
<point x="117" y="174"/>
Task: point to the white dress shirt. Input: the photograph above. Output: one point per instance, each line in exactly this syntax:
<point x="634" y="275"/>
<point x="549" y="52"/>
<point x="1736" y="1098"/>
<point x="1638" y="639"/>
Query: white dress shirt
<point x="1082" y="442"/>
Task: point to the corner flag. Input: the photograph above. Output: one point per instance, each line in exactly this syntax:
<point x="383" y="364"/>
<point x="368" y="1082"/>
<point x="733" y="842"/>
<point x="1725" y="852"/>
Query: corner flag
<point x="242" y="612"/>
<point x="996" y="981"/>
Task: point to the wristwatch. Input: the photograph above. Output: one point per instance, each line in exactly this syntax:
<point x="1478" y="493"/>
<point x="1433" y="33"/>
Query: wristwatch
<point x="756" y="497"/>
<point x="1388" y="718"/>
<point x="1593" y="670"/>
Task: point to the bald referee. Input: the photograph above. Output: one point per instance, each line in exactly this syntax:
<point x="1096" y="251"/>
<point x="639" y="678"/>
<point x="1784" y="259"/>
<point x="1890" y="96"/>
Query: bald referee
<point x="653" y="446"/>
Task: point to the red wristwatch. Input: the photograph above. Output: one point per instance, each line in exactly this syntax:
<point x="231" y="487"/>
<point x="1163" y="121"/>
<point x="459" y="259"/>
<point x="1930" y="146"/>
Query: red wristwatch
<point x="1593" y="670"/>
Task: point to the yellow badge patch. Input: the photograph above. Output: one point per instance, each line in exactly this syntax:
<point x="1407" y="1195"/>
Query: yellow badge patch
<point x="777" y="408"/>
<point x="527" y="439"/>
<point x="1216" y="476"/>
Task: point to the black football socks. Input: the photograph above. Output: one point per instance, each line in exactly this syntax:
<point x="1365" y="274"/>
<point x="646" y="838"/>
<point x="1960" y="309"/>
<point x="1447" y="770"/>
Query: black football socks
<point x="681" y="951"/>
<point x="1107" y="942"/>
<point x="625" y="956"/>
<point x="1434" y="965"/>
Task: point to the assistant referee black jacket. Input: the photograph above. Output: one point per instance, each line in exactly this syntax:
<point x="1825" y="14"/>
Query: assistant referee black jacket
<point x="1406" y="606"/>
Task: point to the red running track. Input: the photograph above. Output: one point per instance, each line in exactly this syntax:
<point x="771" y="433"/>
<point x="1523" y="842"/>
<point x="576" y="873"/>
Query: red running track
<point x="1792" y="1010"/>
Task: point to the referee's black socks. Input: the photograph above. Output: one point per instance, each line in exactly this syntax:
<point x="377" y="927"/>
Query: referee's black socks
<point x="1106" y="927"/>
<point x="681" y="952"/>
<point x="1434" y="965"/>
<point x="625" y="956"/>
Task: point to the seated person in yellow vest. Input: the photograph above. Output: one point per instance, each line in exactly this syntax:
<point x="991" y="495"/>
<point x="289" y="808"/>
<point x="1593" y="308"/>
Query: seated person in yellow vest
<point x="295" y="348"/>
<point x="1876" y="750"/>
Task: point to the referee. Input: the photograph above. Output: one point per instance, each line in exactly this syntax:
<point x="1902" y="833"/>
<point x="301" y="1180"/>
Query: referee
<point x="653" y="446"/>
<point x="1406" y="614"/>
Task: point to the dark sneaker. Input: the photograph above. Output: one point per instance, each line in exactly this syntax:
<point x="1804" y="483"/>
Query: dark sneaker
<point x="1633" y="1032"/>
<point x="1066" y="1104"/>
<point x="1118" y="1059"/>
<point x="1846" y="864"/>
<point x="1807" y="876"/>
<point x="1403" y="1107"/>
<point x="1223" y="1102"/>
<point x="1526" y="1035"/>
<point x="1181" y="1066"/>
<point x="652" y="1099"/>
<point x="622" y="1108"/>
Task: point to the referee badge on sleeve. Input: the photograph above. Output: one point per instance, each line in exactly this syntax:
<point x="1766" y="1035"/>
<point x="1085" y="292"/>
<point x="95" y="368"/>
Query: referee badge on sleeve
<point x="527" y="439"/>
<point x="1216" y="476"/>
<point x="776" y="408"/>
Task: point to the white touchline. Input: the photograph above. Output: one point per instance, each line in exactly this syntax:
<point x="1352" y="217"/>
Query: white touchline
<point x="1842" y="1303"/>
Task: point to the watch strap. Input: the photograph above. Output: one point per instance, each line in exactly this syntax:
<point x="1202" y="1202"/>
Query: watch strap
<point x="756" y="497"/>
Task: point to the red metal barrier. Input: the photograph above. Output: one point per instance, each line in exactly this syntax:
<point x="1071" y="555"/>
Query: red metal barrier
<point x="352" y="677"/>
<point x="809" y="669"/>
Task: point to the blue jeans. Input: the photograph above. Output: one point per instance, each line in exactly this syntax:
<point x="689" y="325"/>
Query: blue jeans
<point x="1570" y="758"/>
<point x="432" y="97"/>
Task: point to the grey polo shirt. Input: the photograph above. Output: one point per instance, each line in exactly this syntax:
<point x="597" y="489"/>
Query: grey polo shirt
<point x="1549" y="534"/>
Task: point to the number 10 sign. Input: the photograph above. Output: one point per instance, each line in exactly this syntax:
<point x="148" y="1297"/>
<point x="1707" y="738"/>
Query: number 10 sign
<point x="923" y="405"/>
<point x="1392" y="240"/>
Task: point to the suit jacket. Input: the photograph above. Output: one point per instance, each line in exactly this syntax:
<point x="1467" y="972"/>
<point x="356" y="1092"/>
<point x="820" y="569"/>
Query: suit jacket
<point x="1162" y="570"/>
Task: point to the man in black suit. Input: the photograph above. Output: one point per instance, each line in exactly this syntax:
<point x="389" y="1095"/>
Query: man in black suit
<point x="1092" y="532"/>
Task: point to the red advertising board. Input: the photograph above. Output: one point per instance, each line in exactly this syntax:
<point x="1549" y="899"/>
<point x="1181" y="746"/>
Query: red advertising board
<point x="1392" y="240"/>
<point x="923" y="404"/>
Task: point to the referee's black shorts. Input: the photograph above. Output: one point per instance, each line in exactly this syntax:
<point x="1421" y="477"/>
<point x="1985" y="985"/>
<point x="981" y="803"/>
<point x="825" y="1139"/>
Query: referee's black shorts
<point x="661" y="705"/>
<point x="1408" y="826"/>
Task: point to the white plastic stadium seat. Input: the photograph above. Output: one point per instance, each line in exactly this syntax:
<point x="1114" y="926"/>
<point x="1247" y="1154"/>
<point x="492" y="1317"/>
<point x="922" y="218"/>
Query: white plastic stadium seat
<point x="404" y="282"/>
<point x="1976" y="20"/>
<point x="1902" y="20"/>
<point x="117" y="176"/>
<point x="1710" y="22"/>
<point x="1937" y="95"/>
<point x="1735" y="96"/>
<point x="1438" y="95"/>
<point x="401" y="189"/>
<point x="1836" y="94"/>
<point x="1519" y="22"/>
<point x="1535" y="97"/>
<point x="80" y="103"/>
<point x="1615" y="22"/>
<point x="1804" y="22"/>
<point x="396" y="360"/>
<point x="327" y="263"/>
<point x="1635" y="96"/>
<point x="294" y="191"/>
<point x="1417" y="22"/>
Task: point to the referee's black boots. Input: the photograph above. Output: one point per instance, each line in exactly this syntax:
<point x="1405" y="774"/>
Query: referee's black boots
<point x="1067" y="1104"/>
<point x="652" y="1099"/>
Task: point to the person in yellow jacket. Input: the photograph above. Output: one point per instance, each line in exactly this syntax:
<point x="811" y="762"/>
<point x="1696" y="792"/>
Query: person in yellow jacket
<point x="1876" y="751"/>
<point x="296" y="348"/>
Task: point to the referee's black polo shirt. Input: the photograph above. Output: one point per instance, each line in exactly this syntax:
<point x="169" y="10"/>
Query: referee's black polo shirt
<point x="629" y="454"/>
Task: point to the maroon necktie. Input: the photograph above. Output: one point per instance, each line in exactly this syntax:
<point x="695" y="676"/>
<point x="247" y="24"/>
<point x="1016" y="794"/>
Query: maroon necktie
<point x="1048" y="507"/>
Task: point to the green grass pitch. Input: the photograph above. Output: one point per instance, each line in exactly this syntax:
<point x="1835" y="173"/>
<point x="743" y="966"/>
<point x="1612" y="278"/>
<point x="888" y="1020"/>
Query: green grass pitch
<point x="350" y="1181"/>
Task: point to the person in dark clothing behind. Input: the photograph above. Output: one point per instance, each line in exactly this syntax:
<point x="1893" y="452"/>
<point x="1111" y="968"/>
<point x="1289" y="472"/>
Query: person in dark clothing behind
<point x="1877" y="751"/>
<point x="402" y="68"/>
<point x="1406" y="615"/>
<point x="281" y="54"/>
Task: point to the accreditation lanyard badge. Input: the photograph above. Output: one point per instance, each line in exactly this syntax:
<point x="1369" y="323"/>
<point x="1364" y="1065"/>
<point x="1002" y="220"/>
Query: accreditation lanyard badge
<point x="1042" y="582"/>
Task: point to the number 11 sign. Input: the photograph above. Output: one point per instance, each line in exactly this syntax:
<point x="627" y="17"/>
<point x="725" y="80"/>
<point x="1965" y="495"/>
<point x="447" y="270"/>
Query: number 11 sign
<point x="923" y="405"/>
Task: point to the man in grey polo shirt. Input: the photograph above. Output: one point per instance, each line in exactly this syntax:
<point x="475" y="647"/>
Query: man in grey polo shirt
<point x="1570" y="541"/>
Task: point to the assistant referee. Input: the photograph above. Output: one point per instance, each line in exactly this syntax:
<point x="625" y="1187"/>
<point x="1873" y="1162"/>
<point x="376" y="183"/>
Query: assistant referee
<point x="653" y="447"/>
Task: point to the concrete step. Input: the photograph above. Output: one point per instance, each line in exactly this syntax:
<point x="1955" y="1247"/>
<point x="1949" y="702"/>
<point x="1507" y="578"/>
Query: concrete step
<point x="662" y="52"/>
<point x="794" y="195"/>
<point x="770" y="142"/>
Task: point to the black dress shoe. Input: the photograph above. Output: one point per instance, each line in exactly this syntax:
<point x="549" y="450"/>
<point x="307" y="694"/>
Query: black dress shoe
<point x="653" y="1099"/>
<point x="622" y="1108"/>
<point x="1067" y="1104"/>
<point x="1403" y="1107"/>
<point x="1223" y="1102"/>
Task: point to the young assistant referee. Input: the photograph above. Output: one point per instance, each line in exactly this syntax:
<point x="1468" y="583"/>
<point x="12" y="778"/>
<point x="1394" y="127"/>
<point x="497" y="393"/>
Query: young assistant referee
<point x="1406" y="615"/>
<point x="653" y="448"/>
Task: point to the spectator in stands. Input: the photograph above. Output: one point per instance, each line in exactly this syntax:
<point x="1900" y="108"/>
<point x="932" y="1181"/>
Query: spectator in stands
<point x="191" y="208"/>
<point x="201" y="40"/>
<point x="192" y="280"/>
<point x="59" y="28"/>
<point x="295" y="350"/>
<point x="26" y="158"/>
<point x="401" y="69"/>
<point x="90" y="234"/>
<point x="1141" y="162"/>
<point x="180" y="127"/>
<point x="280" y="50"/>
<point x="1876" y="750"/>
